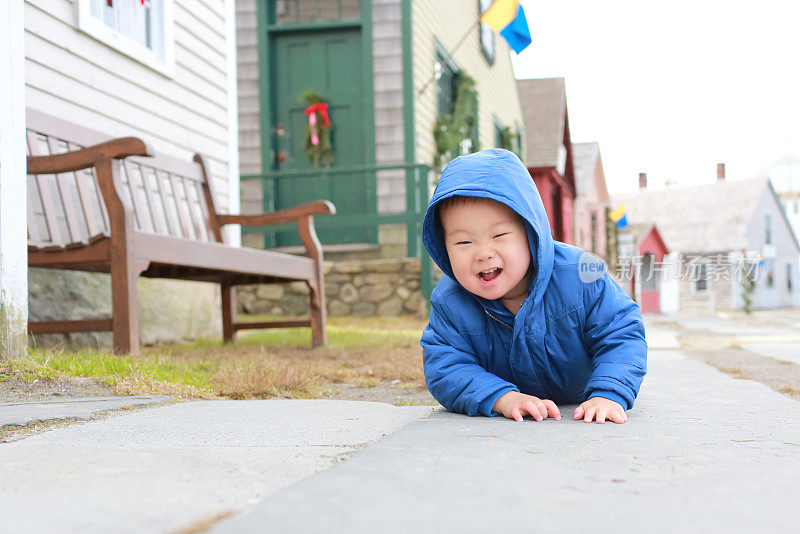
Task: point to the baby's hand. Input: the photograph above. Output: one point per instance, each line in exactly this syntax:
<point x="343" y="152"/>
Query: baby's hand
<point x="600" y="409"/>
<point x="515" y="405"/>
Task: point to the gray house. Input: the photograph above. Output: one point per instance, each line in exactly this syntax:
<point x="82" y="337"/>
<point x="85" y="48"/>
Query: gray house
<point x="729" y="242"/>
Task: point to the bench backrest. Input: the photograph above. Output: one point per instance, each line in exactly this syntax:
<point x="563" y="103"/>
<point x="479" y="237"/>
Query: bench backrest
<point x="168" y="196"/>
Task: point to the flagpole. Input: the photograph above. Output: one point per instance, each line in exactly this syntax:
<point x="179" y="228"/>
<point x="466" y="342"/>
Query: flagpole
<point x="448" y="56"/>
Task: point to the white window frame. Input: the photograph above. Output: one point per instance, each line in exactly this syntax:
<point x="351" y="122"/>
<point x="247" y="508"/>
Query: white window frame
<point x="97" y="29"/>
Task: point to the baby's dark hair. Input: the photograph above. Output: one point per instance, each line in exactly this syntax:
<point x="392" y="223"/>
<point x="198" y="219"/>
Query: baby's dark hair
<point x="449" y="202"/>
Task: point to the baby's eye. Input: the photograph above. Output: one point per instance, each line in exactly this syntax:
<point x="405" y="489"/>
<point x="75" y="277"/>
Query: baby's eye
<point x="463" y="243"/>
<point x="500" y="235"/>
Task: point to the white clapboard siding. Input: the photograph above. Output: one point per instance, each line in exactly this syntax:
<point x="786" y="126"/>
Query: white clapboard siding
<point x="193" y="92"/>
<point x="67" y="62"/>
<point x="129" y="113"/>
<point x="448" y="21"/>
<point x="208" y="23"/>
<point x="71" y="75"/>
<point x="64" y="63"/>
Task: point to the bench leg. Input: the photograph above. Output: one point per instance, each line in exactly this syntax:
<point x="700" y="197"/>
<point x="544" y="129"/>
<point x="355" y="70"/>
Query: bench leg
<point x="228" y="309"/>
<point x="125" y="306"/>
<point x="317" y="310"/>
<point x="317" y="314"/>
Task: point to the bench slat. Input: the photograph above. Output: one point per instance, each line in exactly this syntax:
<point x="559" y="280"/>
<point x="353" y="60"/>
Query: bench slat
<point x="179" y="212"/>
<point x="84" y="183"/>
<point x="164" y="187"/>
<point x="34" y="235"/>
<point x="94" y="207"/>
<point x="129" y="196"/>
<point x="199" y="219"/>
<point x="156" y="204"/>
<point x="208" y="226"/>
<point x="221" y="257"/>
<point x="66" y="185"/>
<point x="51" y="218"/>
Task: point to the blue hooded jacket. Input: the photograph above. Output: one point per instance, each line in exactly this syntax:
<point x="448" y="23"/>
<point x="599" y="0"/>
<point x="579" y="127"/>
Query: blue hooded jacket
<point x="576" y="336"/>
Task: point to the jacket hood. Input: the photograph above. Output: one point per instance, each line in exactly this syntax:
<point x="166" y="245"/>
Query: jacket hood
<point x="499" y="175"/>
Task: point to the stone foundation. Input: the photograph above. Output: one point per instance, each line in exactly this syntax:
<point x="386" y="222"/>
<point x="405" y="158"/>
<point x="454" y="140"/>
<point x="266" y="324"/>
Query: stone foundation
<point x="169" y="310"/>
<point x="358" y="287"/>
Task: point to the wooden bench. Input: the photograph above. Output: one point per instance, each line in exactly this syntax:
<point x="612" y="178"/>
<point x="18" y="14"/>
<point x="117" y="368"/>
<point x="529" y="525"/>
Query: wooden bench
<point x="113" y="206"/>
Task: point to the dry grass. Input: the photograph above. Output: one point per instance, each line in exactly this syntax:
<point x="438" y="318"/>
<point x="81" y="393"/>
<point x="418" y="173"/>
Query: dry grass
<point x="261" y="364"/>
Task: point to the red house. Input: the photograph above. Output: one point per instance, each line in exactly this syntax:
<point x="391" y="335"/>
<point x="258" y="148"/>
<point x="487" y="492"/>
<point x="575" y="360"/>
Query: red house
<point x="643" y="244"/>
<point x="548" y="151"/>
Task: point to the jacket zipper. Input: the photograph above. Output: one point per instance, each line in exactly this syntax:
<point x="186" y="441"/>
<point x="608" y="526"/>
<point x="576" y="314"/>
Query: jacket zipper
<point x="499" y="321"/>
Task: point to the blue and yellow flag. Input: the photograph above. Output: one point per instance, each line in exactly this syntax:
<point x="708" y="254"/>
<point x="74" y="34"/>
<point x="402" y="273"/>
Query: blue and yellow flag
<point x="507" y="18"/>
<point x="619" y="216"/>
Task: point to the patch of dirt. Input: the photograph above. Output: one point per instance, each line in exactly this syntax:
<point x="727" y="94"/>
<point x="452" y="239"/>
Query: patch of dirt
<point x="18" y="389"/>
<point x="724" y="353"/>
<point x="780" y="376"/>
<point x="388" y="393"/>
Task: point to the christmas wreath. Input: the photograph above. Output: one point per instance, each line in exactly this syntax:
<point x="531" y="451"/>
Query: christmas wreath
<point x="318" y="134"/>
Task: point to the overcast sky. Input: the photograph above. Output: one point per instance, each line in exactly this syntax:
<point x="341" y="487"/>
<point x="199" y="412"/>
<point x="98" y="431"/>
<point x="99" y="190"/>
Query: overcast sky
<point x="672" y="88"/>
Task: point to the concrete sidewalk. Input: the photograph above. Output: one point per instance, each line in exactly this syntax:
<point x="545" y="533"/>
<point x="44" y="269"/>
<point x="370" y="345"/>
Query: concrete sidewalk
<point x="163" y="469"/>
<point x="701" y="451"/>
<point x="22" y="413"/>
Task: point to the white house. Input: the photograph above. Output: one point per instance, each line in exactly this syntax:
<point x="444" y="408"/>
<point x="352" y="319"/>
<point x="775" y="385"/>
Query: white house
<point x="717" y="233"/>
<point x="164" y="71"/>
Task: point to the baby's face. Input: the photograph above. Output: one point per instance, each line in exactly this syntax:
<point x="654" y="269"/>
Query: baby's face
<point x="488" y="249"/>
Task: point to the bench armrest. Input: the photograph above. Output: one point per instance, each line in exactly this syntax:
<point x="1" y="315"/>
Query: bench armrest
<point x="319" y="207"/>
<point x="84" y="158"/>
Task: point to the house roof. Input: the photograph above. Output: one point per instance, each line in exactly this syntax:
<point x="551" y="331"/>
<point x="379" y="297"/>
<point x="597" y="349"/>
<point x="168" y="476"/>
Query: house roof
<point x="644" y="230"/>
<point x="707" y="218"/>
<point x="544" y="109"/>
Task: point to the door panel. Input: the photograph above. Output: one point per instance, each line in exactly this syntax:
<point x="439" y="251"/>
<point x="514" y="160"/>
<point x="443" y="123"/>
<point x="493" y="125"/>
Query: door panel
<point x="329" y="62"/>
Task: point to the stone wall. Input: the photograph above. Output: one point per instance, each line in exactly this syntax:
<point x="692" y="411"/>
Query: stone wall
<point x="169" y="310"/>
<point x="359" y="287"/>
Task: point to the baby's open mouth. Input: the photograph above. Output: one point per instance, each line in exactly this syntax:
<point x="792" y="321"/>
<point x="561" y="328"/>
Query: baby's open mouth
<point x="490" y="274"/>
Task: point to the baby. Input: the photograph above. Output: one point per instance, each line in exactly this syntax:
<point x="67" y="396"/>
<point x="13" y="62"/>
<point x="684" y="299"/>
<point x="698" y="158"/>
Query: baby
<point x="520" y="322"/>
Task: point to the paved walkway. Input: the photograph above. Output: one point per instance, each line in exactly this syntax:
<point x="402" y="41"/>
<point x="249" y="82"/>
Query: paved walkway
<point x="22" y="413"/>
<point x="701" y="452"/>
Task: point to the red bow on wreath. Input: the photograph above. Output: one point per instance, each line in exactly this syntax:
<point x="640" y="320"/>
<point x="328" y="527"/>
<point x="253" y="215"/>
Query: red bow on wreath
<point x="311" y="111"/>
<point x="111" y="2"/>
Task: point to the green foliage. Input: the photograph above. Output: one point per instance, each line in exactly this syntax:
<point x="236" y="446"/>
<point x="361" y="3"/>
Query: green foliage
<point x="747" y="284"/>
<point x="451" y="129"/>
<point x="343" y="332"/>
<point x="507" y="139"/>
<point x="322" y="153"/>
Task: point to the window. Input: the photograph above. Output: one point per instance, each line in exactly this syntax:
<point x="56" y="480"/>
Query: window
<point x="767" y="229"/>
<point x="789" y="276"/>
<point x="699" y="276"/>
<point x="446" y="73"/>
<point x="487" y="35"/>
<point x="140" y="31"/>
<point x="292" y="11"/>
<point x="594" y="233"/>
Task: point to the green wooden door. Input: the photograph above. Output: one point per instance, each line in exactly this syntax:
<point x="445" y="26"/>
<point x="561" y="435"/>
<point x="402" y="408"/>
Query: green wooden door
<point x="329" y="62"/>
